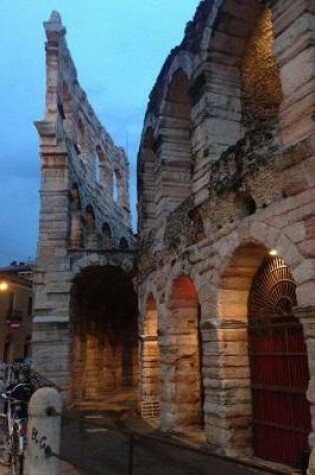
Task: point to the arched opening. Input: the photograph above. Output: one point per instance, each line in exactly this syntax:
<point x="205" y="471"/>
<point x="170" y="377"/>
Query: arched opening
<point x="173" y="148"/>
<point x="263" y="355"/>
<point x="123" y="243"/>
<point x="279" y="366"/>
<point x="90" y="231"/>
<point x="181" y="360"/>
<point x="103" y="168"/>
<point x="147" y="168"/>
<point x="244" y="205"/>
<point x="107" y="236"/>
<point x="66" y="103"/>
<point x="150" y="362"/>
<point x="97" y="168"/>
<point x="115" y="190"/>
<point x="261" y="90"/>
<point x="104" y="349"/>
<point x="76" y="235"/>
<point x="82" y="141"/>
<point x="239" y="86"/>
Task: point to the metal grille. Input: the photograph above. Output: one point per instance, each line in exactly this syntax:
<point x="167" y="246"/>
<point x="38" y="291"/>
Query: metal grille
<point x="279" y="367"/>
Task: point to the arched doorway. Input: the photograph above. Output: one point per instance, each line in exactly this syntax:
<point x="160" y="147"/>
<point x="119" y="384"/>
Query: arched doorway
<point x="279" y="366"/>
<point x="150" y="362"/>
<point x="181" y="360"/>
<point x="104" y="349"/>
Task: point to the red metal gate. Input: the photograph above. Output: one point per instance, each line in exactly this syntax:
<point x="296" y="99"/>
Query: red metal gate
<point x="279" y="367"/>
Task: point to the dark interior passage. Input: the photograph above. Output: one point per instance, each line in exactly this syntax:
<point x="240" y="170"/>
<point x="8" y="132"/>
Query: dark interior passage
<point x="104" y="348"/>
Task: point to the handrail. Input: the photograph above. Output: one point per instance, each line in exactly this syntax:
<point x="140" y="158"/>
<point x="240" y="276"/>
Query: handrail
<point x="132" y="433"/>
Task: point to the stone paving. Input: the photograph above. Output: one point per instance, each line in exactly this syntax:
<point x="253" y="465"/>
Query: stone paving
<point x="99" y="443"/>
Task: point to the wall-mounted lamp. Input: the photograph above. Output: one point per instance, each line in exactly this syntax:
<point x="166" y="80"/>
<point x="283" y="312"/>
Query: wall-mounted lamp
<point x="273" y="252"/>
<point x="3" y="286"/>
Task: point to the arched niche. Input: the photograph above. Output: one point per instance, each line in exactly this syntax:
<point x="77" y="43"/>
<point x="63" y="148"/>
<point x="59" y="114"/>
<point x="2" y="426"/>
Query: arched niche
<point x="107" y="236"/>
<point x="173" y="147"/>
<point x="147" y="185"/>
<point x="76" y="233"/>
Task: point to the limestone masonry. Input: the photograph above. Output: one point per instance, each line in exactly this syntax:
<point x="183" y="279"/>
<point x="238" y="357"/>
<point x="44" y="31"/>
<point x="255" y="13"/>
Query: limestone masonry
<point x="225" y="268"/>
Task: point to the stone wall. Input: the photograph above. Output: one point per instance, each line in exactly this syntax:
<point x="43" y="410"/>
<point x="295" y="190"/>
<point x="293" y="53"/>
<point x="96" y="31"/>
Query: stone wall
<point x="84" y="215"/>
<point x="251" y="190"/>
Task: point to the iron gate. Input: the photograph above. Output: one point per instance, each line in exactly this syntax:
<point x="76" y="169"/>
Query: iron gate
<point x="279" y="367"/>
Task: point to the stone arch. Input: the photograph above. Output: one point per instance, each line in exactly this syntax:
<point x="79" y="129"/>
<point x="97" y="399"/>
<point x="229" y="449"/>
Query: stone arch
<point x="230" y="344"/>
<point x="238" y="44"/>
<point x="103" y="332"/>
<point x="182" y="394"/>
<point x="183" y="268"/>
<point x="183" y="61"/>
<point x="76" y="232"/>
<point x="252" y="232"/>
<point x="103" y="260"/>
<point x="173" y="147"/>
<point x="149" y="383"/>
<point x="230" y="23"/>
<point x="147" y="169"/>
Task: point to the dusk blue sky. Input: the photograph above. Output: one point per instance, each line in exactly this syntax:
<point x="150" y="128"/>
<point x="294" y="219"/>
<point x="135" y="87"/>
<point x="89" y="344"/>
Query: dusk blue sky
<point x="118" y="47"/>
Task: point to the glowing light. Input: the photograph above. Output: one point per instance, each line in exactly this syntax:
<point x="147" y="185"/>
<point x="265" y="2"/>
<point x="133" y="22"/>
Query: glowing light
<point x="4" y="286"/>
<point x="273" y="252"/>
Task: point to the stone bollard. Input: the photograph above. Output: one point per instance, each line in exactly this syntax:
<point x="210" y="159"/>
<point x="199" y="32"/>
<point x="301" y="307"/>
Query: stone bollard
<point x="43" y="433"/>
<point x="311" y="464"/>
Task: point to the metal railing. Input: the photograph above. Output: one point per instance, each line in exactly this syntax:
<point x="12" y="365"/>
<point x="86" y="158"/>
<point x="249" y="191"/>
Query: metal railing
<point x="102" y="449"/>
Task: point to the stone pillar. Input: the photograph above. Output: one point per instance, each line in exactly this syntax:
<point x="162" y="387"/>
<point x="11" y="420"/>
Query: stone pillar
<point x="306" y="315"/>
<point x="293" y="26"/>
<point x="76" y="229"/>
<point x="216" y="89"/>
<point x="149" y="387"/>
<point x="227" y="390"/>
<point x="43" y="433"/>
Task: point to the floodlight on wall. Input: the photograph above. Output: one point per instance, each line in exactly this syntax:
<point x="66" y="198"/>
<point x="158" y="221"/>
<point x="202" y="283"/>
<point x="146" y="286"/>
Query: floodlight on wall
<point x="273" y="252"/>
<point x="3" y="286"/>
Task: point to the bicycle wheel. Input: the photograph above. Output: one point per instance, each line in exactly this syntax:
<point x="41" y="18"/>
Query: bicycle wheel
<point x="17" y="460"/>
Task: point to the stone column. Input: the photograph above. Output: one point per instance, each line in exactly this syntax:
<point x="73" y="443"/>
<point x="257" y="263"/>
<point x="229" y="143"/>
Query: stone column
<point x="306" y="315"/>
<point x="227" y="389"/>
<point x="43" y="433"/>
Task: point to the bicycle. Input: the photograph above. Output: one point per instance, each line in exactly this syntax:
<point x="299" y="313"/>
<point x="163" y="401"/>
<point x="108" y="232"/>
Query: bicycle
<point x="14" y="417"/>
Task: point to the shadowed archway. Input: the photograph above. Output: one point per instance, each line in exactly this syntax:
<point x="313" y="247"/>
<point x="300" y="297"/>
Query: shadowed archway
<point x="103" y="333"/>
